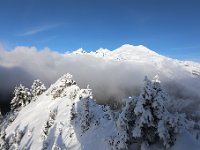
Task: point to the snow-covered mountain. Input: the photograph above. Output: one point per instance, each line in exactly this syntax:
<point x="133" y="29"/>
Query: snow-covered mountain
<point x="67" y="117"/>
<point x="128" y="53"/>
<point x="141" y="54"/>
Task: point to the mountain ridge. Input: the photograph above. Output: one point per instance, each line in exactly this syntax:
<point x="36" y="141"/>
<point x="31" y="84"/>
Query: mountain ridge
<point x="67" y="117"/>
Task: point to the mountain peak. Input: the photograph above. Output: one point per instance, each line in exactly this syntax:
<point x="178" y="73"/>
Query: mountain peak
<point x="79" y="51"/>
<point x="136" y="49"/>
<point x="133" y="53"/>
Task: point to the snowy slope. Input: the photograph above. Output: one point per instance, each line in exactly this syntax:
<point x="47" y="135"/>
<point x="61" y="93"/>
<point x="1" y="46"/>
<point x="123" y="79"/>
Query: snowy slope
<point x="63" y="133"/>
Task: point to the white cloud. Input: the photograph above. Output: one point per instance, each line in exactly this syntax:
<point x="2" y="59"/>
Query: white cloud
<point x="99" y="73"/>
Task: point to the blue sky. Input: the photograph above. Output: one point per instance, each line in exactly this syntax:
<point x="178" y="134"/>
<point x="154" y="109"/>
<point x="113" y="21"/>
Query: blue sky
<point x="169" y="27"/>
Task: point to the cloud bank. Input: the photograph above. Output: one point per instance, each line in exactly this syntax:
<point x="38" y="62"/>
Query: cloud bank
<point x="109" y="79"/>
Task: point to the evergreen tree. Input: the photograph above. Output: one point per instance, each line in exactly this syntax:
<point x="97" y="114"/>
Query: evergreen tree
<point x="123" y="130"/>
<point x="144" y="128"/>
<point x="22" y="97"/>
<point x="125" y="125"/>
<point x="86" y="102"/>
<point x="3" y="142"/>
<point x="153" y="122"/>
<point x="45" y="130"/>
<point x="19" y="135"/>
<point x="85" y="117"/>
<point x="49" y="123"/>
<point x="82" y="111"/>
<point x="15" y="139"/>
<point x="37" y="88"/>
<point x="62" y="83"/>
<point x="108" y="113"/>
<point x="73" y="113"/>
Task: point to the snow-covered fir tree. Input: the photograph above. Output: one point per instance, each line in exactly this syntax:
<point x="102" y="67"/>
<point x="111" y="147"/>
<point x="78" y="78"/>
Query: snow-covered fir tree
<point x="73" y="113"/>
<point x="170" y="125"/>
<point x="9" y="118"/>
<point x="144" y="128"/>
<point x="196" y="129"/>
<point x="37" y="88"/>
<point x="65" y="81"/>
<point x="45" y="130"/>
<point x="125" y="125"/>
<point x="86" y="93"/>
<point x="22" y="97"/>
<point x="85" y="117"/>
<point x="52" y="116"/>
<point x="122" y="136"/>
<point x="49" y="123"/>
<point x="82" y="112"/>
<point x="71" y="92"/>
<point x="3" y="142"/>
<point x="108" y="113"/>
<point x="46" y="127"/>
<point x="196" y="125"/>
<point x="153" y="122"/>
<point x="15" y="139"/>
<point x="18" y="135"/>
